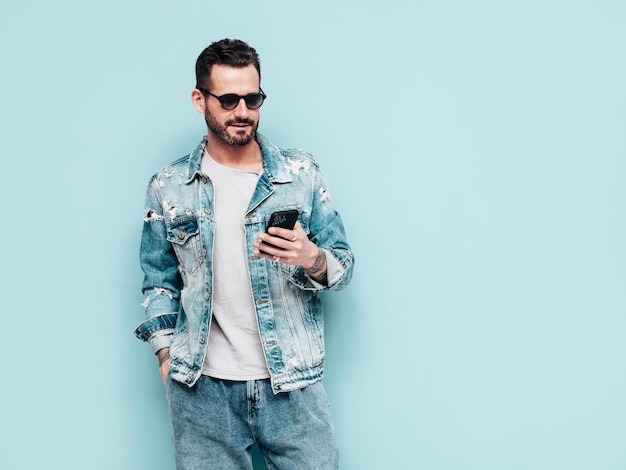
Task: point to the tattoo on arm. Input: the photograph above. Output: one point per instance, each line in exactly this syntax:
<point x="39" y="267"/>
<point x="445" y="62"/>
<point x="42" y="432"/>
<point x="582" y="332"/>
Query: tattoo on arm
<point x="318" y="264"/>
<point x="317" y="271"/>
<point x="163" y="355"/>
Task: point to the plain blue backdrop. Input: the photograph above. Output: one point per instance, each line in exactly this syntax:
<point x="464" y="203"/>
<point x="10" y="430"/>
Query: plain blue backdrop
<point x="475" y="149"/>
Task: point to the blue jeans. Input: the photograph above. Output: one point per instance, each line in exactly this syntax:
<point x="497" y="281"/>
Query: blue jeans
<point x="216" y="422"/>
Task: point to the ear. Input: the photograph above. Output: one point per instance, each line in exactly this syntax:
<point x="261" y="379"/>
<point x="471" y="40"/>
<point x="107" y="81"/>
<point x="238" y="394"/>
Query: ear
<point x="198" y="100"/>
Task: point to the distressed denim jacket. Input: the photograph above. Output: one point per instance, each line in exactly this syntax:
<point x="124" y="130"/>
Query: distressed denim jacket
<point x="176" y="249"/>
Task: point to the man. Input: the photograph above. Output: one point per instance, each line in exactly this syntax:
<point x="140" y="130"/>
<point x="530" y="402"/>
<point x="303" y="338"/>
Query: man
<point x="232" y="311"/>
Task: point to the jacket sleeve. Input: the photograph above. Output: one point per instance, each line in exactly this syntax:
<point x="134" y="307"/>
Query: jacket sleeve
<point x="327" y="231"/>
<point x="162" y="281"/>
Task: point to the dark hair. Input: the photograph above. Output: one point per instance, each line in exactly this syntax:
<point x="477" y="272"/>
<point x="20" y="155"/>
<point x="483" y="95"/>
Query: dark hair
<point x="231" y="52"/>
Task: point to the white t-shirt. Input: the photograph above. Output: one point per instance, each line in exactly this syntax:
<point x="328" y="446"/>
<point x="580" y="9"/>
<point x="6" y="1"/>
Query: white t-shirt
<point x="234" y="350"/>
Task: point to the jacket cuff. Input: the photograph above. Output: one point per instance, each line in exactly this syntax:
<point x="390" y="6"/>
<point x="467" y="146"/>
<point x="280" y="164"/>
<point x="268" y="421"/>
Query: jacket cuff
<point x="162" y="339"/>
<point x="334" y="273"/>
<point x="334" y="269"/>
<point x="160" y="325"/>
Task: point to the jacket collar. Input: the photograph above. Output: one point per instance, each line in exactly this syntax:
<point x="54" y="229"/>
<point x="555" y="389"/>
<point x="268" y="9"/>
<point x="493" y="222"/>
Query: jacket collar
<point x="274" y="162"/>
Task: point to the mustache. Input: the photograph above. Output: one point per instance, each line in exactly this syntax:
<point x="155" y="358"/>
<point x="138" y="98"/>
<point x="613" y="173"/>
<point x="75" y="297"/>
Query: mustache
<point x="248" y="122"/>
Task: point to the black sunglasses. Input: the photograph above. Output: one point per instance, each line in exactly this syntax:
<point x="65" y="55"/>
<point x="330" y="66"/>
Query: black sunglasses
<point x="231" y="100"/>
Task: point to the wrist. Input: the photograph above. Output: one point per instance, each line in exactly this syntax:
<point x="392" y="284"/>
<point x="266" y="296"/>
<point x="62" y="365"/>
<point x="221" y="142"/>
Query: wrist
<point x="163" y="355"/>
<point x="311" y="260"/>
<point x="317" y="262"/>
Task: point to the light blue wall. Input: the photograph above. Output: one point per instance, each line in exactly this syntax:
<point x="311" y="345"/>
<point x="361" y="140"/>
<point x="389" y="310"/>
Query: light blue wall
<point x="476" y="150"/>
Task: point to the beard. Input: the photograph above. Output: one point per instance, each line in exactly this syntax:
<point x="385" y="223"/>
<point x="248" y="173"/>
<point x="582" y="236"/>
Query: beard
<point x="220" y="130"/>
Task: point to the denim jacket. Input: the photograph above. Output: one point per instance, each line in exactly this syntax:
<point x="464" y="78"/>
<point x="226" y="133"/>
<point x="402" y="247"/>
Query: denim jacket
<point x="175" y="255"/>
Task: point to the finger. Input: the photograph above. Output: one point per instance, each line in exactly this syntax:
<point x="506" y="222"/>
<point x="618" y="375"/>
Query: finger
<point x="267" y="250"/>
<point x="281" y="242"/>
<point x="296" y="233"/>
<point x="283" y="233"/>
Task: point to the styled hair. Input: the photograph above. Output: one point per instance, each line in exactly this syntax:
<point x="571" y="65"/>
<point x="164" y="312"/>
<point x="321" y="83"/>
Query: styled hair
<point x="231" y="52"/>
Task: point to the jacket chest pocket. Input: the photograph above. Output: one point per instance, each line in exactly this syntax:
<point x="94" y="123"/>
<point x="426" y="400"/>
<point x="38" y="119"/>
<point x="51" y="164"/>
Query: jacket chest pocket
<point x="184" y="235"/>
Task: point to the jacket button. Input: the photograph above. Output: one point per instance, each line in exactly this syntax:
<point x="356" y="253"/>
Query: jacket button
<point x="202" y="339"/>
<point x="207" y="296"/>
<point x="181" y="234"/>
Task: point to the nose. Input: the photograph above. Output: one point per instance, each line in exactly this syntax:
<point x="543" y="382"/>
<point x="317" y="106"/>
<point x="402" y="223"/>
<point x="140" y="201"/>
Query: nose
<point x="241" y="111"/>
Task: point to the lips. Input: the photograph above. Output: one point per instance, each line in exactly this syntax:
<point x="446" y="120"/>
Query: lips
<point x="240" y="123"/>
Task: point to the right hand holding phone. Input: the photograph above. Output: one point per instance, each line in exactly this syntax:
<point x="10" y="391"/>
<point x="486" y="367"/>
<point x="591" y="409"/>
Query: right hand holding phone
<point x="291" y="247"/>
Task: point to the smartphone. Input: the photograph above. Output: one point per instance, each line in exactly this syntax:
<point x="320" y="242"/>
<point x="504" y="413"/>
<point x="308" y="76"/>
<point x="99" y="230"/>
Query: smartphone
<point x="283" y="219"/>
